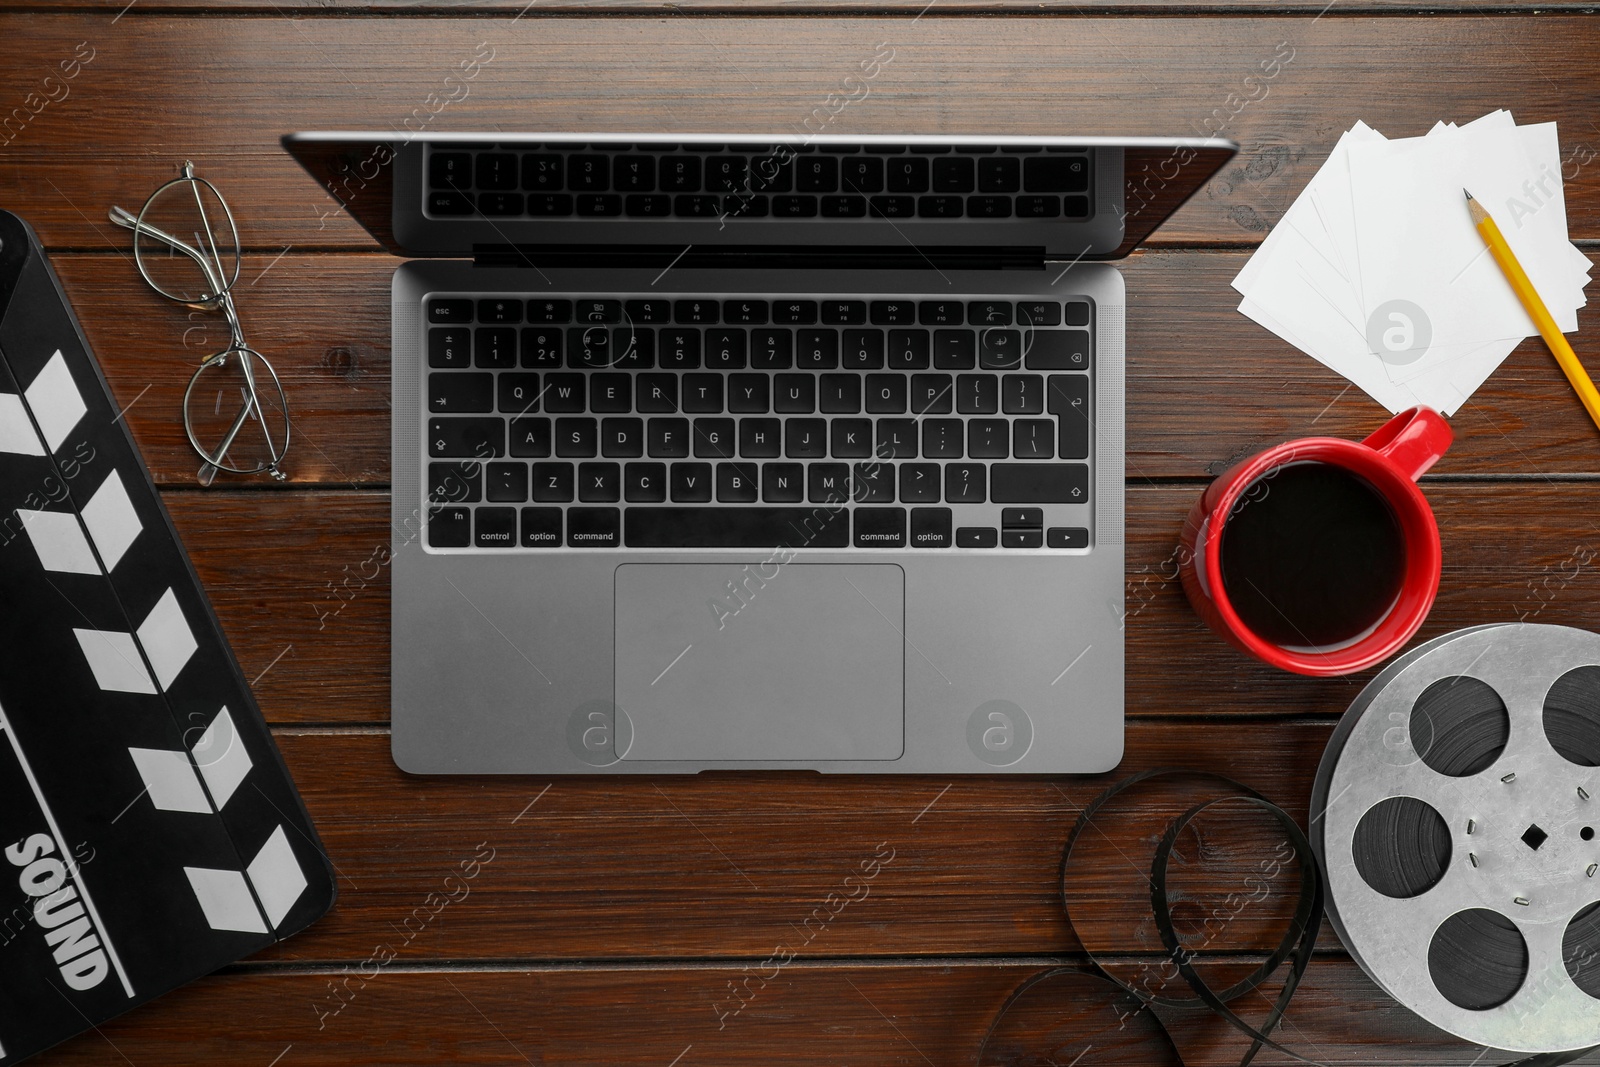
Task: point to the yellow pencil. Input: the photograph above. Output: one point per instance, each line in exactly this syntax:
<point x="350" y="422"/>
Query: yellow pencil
<point x="1535" y="307"/>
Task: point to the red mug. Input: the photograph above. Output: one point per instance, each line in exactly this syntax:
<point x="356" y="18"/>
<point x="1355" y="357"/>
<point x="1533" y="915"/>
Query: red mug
<point x="1391" y="461"/>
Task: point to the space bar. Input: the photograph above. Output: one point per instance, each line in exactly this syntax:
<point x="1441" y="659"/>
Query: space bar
<point x="818" y="527"/>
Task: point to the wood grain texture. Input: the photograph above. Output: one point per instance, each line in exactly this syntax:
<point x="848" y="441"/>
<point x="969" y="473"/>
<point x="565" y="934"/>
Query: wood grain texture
<point x="1205" y="384"/>
<point x="894" y="1016"/>
<point x="826" y="8"/>
<point x="135" y="102"/>
<point x="731" y="864"/>
<point x="302" y="572"/>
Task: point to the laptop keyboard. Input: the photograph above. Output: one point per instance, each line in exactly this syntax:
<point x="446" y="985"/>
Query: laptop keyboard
<point x="757" y="181"/>
<point x="596" y="421"/>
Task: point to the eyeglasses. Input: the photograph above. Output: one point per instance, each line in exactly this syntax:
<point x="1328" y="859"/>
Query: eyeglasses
<point x="228" y="392"/>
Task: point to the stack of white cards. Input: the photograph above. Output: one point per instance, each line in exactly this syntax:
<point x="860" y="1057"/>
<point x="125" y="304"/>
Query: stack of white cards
<point x="1377" y="271"/>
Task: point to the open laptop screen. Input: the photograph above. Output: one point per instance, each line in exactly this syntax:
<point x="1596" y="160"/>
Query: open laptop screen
<point x="1009" y="200"/>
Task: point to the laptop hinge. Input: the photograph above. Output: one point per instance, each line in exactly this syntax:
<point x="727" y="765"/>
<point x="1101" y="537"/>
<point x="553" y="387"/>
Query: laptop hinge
<point x="832" y="257"/>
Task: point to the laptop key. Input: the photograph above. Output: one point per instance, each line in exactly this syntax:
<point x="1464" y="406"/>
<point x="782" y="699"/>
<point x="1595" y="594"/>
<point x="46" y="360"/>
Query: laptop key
<point x="736" y="483"/>
<point x="897" y="439"/>
<point x="681" y="174"/>
<point x="1039" y="483"/>
<point x="794" y="394"/>
<point x="495" y="346"/>
<point x="450" y="527"/>
<point x="468" y="438"/>
<point x="1038" y="207"/>
<point x="940" y="207"/>
<point x="594" y="527"/>
<point x="702" y="393"/>
<point x="999" y="174"/>
<point x="495" y="528"/>
<point x="577" y="437"/>
<point x="588" y="173"/>
<point x="844" y="207"/>
<point x="647" y="205"/>
<point x="563" y="392"/>
<point x="725" y="349"/>
<point x="955" y="349"/>
<point x="691" y="482"/>
<point x="977" y="394"/>
<point x="862" y="174"/>
<point x="633" y="174"/>
<point x="644" y="483"/>
<point x="610" y="392"/>
<point x="863" y="349"/>
<point x="497" y="170"/>
<point x="852" y="438"/>
<point x="553" y="483"/>
<point x="745" y="312"/>
<point x="599" y="204"/>
<point x="805" y="438"/>
<point x="873" y="483"/>
<point x="695" y="205"/>
<point x="942" y="438"/>
<point x="622" y="438"/>
<point x="450" y="346"/>
<point x="782" y="483"/>
<point x="1000" y="349"/>
<point x="933" y="394"/>
<point x="771" y="349"/>
<point x="1021" y="538"/>
<point x="840" y="394"/>
<point x="930" y="528"/>
<point x="827" y="483"/>
<point x="908" y="174"/>
<point x="455" y="483"/>
<point x="1039" y="313"/>
<point x="541" y="527"/>
<point x="988" y="438"/>
<point x="449" y="311"/>
<point x="500" y="205"/>
<point x="817" y="349"/>
<point x="680" y="348"/>
<point x="506" y="483"/>
<point x="1067" y="537"/>
<point x="977" y="537"/>
<point x="794" y="207"/>
<point x="1059" y="350"/>
<point x="844" y="312"/>
<point x="451" y="393"/>
<point x="551" y="311"/>
<point x="656" y="392"/>
<point x="742" y="527"/>
<point x="908" y="350"/>
<point x="542" y="171"/>
<point x="450" y="170"/>
<point x="953" y="175"/>
<point x="1068" y="397"/>
<point x="893" y="207"/>
<point x="886" y="394"/>
<point x="450" y="203"/>
<point x="760" y="438"/>
<point x="599" y="483"/>
<point x="880" y="527"/>
<point x="519" y="393"/>
<point x="1077" y="313"/>
<point x="1022" y="394"/>
<point x="747" y="393"/>
<point x="919" y="483"/>
<point x="550" y="204"/>
<point x="668" y="438"/>
<point x="713" y="438"/>
<point x="530" y="437"/>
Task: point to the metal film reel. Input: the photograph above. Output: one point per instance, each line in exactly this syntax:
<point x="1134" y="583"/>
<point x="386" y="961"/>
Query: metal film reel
<point x="1456" y="813"/>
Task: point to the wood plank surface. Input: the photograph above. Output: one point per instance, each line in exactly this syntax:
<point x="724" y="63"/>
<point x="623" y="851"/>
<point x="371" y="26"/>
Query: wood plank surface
<point x="1205" y="384"/>
<point x="293" y="578"/>
<point x="157" y="87"/>
<point x="931" y="1015"/>
<point x="610" y="921"/>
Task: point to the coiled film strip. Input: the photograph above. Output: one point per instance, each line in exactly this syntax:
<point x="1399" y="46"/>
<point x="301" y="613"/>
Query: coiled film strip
<point x="1456" y="813"/>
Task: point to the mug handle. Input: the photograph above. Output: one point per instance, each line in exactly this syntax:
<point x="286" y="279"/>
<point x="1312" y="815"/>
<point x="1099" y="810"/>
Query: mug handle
<point x="1413" y="440"/>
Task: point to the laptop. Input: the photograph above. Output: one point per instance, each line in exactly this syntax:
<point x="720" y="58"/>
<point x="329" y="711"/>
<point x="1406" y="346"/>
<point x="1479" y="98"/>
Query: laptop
<point x="757" y="452"/>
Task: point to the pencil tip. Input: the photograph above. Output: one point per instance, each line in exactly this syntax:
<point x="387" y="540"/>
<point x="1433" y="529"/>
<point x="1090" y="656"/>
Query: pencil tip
<point x="1469" y="195"/>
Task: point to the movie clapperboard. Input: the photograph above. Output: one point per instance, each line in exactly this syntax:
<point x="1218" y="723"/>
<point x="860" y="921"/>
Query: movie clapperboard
<point x="149" y="830"/>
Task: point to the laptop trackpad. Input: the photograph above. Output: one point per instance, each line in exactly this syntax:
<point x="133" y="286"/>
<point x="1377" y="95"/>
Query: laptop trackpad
<point x="761" y="662"/>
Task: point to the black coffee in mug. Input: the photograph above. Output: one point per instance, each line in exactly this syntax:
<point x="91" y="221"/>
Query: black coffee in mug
<point x="1312" y="555"/>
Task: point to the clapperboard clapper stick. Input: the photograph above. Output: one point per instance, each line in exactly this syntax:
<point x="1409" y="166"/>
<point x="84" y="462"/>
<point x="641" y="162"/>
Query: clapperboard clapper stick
<point x="150" y="831"/>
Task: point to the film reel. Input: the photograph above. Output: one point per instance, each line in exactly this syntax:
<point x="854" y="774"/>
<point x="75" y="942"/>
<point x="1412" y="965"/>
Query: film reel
<point x="1456" y="813"/>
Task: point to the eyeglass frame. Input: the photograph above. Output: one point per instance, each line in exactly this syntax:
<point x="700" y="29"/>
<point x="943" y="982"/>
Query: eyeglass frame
<point x="221" y="297"/>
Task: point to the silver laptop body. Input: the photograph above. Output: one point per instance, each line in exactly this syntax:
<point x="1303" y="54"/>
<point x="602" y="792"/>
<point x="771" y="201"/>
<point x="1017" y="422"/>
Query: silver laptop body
<point x="733" y="452"/>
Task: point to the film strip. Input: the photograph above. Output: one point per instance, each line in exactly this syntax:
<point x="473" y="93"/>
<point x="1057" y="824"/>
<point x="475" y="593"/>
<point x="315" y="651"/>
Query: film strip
<point x="1455" y="848"/>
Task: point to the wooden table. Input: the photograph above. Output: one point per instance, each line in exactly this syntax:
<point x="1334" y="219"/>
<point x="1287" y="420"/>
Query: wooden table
<point x="615" y="914"/>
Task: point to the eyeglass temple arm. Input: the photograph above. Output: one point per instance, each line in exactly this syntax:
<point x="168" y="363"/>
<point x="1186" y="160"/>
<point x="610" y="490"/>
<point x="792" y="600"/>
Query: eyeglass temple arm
<point x="122" y="217"/>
